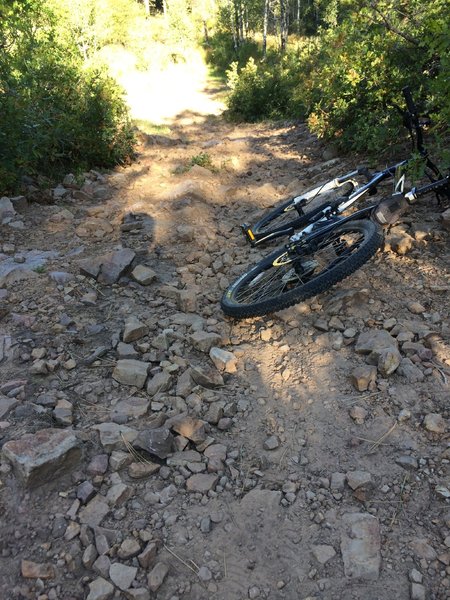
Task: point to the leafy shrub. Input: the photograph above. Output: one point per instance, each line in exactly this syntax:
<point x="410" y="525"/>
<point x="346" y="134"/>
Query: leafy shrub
<point x="258" y="91"/>
<point x="56" y="112"/>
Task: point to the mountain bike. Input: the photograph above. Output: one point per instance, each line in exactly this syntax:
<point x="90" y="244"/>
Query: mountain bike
<point x="329" y="248"/>
<point x="336" y="196"/>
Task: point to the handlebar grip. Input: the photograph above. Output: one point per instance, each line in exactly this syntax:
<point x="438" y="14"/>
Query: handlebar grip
<point x="409" y="100"/>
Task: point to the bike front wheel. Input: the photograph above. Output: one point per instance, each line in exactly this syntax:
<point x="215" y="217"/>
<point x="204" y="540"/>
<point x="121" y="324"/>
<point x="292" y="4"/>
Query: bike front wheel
<point x="286" y="277"/>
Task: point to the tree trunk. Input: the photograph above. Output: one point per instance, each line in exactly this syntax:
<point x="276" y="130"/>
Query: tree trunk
<point x="265" y="26"/>
<point x="284" y="23"/>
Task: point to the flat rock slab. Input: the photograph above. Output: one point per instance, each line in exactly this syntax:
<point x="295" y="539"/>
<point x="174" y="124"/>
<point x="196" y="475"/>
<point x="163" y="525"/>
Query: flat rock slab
<point x="109" y="267"/>
<point x="374" y="340"/>
<point x="44" y="456"/>
<point x="33" y="570"/>
<point x="360" y="546"/>
<point x="112" y="435"/>
<point x="201" y="483"/>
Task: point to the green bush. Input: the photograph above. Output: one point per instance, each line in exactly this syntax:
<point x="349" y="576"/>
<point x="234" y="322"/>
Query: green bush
<point x="56" y="113"/>
<point x="345" y="79"/>
<point x="258" y="91"/>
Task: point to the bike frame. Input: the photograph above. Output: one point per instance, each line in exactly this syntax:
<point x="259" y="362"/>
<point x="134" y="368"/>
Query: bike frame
<point x="338" y="206"/>
<point x="308" y="235"/>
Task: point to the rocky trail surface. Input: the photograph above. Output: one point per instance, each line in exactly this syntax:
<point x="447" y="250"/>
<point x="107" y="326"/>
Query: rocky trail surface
<point x="154" y="448"/>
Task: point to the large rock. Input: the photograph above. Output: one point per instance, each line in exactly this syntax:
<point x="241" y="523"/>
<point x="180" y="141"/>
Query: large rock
<point x="158" y="442"/>
<point x="188" y="427"/>
<point x="44" y="456"/>
<point x="371" y="341"/>
<point x="109" y="267"/>
<point x="206" y="377"/>
<point x="161" y="382"/>
<point x="113" y="436"/>
<point x="223" y="360"/>
<point x="131" y="372"/>
<point x="100" y="589"/>
<point x="360" y="546"/>
<point x="134" y="330"/>
<point x="204" y="340"/>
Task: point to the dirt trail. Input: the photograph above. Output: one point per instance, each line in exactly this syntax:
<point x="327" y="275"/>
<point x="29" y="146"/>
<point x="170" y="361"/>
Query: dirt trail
<point x="275" y="478"/>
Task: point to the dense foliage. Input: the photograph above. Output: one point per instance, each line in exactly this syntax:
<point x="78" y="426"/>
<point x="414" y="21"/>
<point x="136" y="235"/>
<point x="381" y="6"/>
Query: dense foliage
<point x="58" y="110"/>
<point x="351" y="67"/>
<point x="339" y="64"/>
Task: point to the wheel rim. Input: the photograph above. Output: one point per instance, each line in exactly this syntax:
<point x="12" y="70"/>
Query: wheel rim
<point x="289" y="271"/>
<point x="291" y="212"/>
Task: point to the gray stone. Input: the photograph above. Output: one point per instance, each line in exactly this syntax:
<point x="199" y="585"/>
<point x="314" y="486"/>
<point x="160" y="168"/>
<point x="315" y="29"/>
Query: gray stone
<point x="44" y="456"/>
<point x="114" y="265"/>
<point x="271" y="443"/>
<point x="435" y="423"/>
<point x="201" y="482"/>
<point x="148" y="555"/>
<point x="415" y="576"/>
<point x="160" y="382"/>
<point x="7" y="211"/>
<point x="134" y="330"/>
<point x="85" y="492"/>
<point x="90" y="554"/>
<point x="357" y="479"/>
<point x="407" y="462"/>
<point x="137" y="594"/>
<point x="418" y="591"/>
<point x="131" y="372"/>
<point x="100" y="589"/>
<point x="187" y="300"/>
<point x="204" y="341"/>
<point x="94" y="512"/>
<point x="139" y="470"/>
<point x="63" y="412"/>
<point x="121" y="575"/>
<point x="360" y="546"/>
<point x="337" y="482"/>
<point x="409" y="371"/>
<point x="102" y="565"/>
<point x="370" y="341"/>
<point x="223" y="360"/>
<point x="158" y="442"/>
<point x="206" y="377"/>
<point x="422" y="549"/>
<point x="389" y="360"/>
<point x="182" y="459"/>
<point x="323" y="553"/>
<point x="118" y="494"/>
<point x="143" y="275"/>
<point x="112" y="435"/>
<point x="7" y="405"/>
<point x="363" y="376"/>
<point x="129" y="548"/>
<point x="188" y="427"/>
<point x="131" y="408"/>
<point x="156" y="576"/>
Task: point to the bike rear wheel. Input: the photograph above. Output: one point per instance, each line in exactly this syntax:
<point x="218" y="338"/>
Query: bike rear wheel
<point x="285" y="277"/>
<point x="292" y="214"/>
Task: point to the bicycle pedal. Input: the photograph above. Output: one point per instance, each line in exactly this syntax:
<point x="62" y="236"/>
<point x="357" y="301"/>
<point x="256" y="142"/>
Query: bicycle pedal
<point x="248" y="233"/>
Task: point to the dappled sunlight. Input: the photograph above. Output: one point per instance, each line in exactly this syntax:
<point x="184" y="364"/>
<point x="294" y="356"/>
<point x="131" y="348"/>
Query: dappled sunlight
<point x="160" y="93"/>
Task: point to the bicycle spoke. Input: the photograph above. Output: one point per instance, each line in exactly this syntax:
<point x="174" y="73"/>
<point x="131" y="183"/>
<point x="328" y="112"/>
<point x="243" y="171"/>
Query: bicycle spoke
<point x="278" y="279"/>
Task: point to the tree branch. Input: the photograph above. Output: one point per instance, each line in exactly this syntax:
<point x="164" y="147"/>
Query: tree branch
<point x="392" y="27"/>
